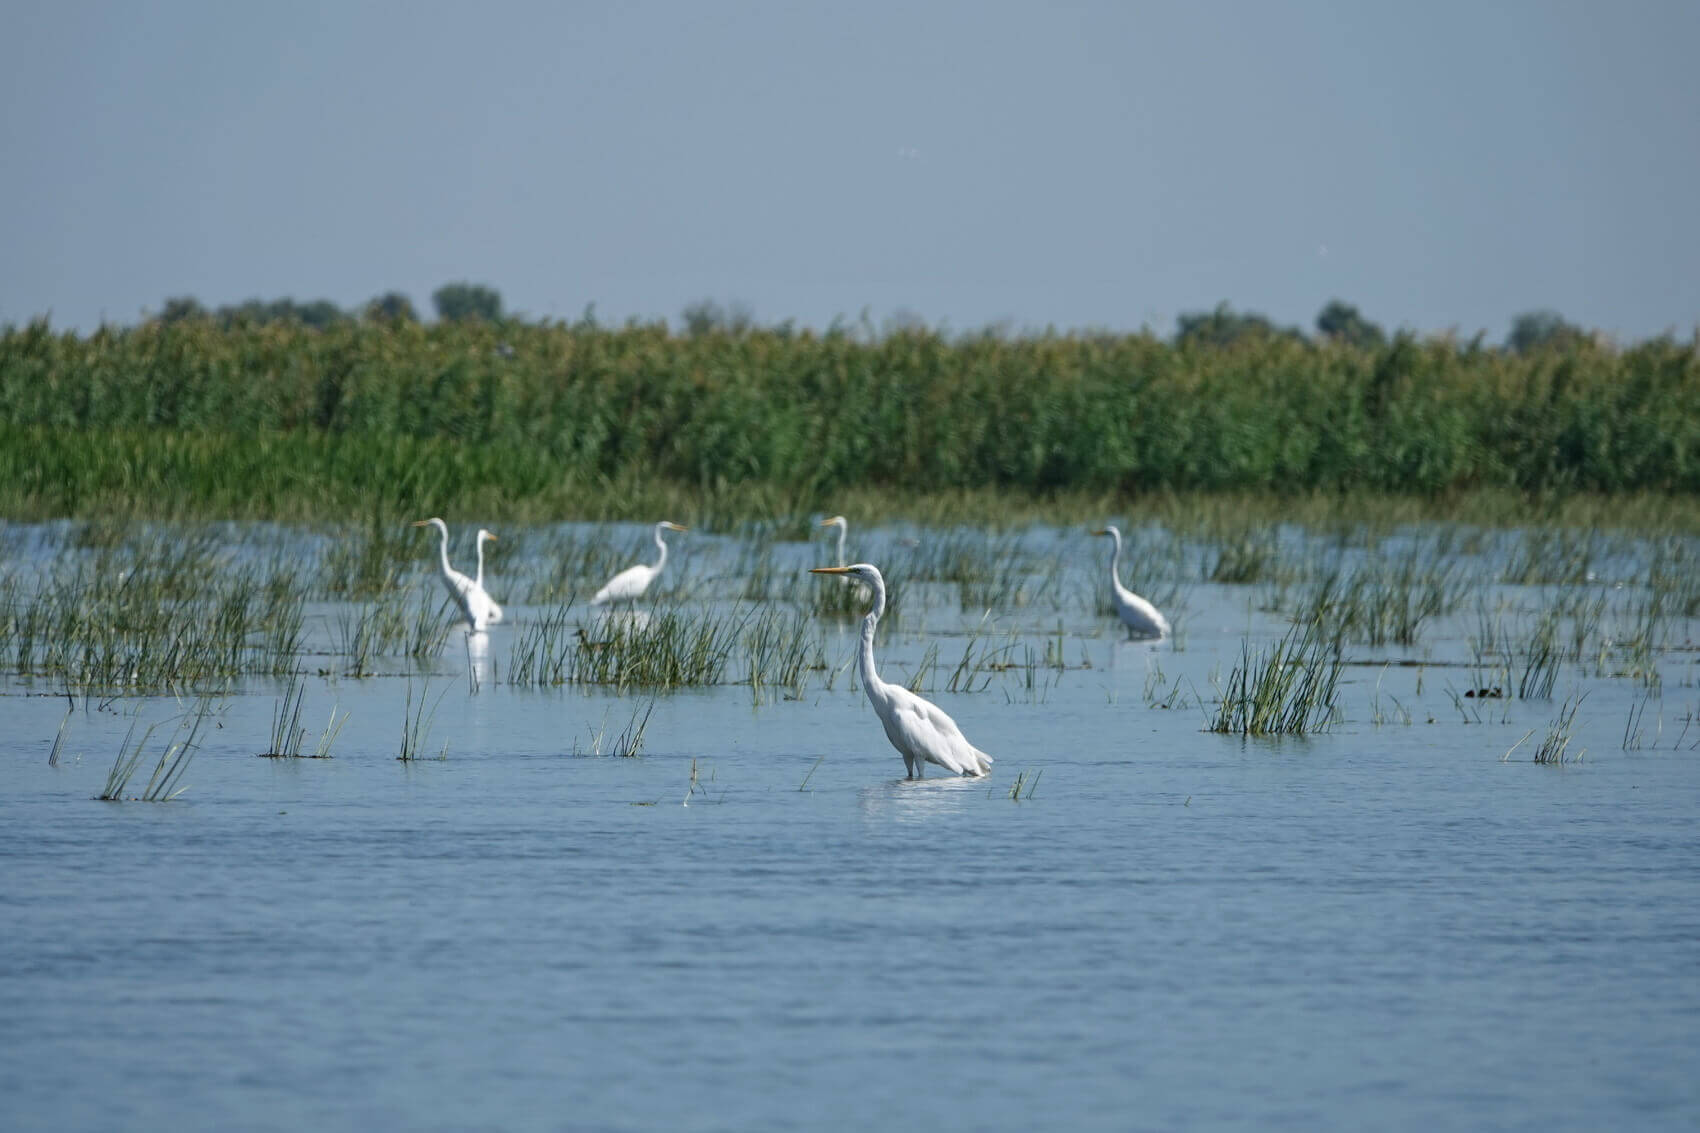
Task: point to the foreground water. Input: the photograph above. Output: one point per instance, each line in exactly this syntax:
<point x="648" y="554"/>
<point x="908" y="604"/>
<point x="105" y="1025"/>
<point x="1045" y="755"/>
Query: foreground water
<point x="757" y="924"/>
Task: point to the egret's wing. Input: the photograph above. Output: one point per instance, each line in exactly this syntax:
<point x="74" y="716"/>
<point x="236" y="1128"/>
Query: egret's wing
<point x="483" y="606"/>
<point x="629" y="583"/>
<point x="463" y="591"/>
<point x="1141" y="616"/>
<point x="930" y="734"/>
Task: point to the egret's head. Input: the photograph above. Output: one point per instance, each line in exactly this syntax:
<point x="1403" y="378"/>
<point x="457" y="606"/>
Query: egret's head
<point x="835" y="521"/>
<point x="432" y="522"/>
<point x="867" y="572"/>
<point x="483" y="535"/>
<point x="671" y="526"/>
<point x="1107" y="530"/>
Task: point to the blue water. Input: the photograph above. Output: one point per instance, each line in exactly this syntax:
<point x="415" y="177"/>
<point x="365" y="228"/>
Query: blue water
<point x="1380" y="927"/>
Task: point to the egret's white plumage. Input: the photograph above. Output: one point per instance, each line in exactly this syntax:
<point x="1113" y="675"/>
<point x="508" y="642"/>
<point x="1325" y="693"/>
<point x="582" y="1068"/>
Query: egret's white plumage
<point x="843" y="526"/>
<point x="468" y="595"/>
<point x="920" y="730"/>
<point x="629" y="584"/>
<point x="1141" y="617"/>
<point x="495" y="611"/>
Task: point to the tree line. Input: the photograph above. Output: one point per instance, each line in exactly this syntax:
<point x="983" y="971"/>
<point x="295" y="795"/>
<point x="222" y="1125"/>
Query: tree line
<point x="1338" y="322"/>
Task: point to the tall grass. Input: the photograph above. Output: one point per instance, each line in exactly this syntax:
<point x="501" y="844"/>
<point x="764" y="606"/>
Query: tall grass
<point x="165" y="783"/>
<point x="252" y="420"/>
<point x="1290" y="689"/>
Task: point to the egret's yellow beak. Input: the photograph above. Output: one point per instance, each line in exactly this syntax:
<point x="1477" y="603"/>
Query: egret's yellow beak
<point x="673" y="526"/>
<point x="490" y="535"/>
<point x="1100" y="531"/>
<point x="834" y="521"/>
<point x="422" y="523"/>
<point x="829" y="570"/>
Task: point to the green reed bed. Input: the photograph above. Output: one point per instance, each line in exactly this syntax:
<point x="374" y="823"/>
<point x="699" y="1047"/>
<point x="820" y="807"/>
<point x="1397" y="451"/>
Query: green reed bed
<point x="143" y="628"/>
<point x="276" y="420"/>
<point x="671" y="649"/>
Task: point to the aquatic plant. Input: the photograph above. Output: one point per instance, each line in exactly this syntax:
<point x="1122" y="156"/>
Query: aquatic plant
<point x="1290" y="689"/>
<point x="1555" y="745"/>
<point x="416" y="725"/>
<point x="628" y="743"/>
<point x="165" y="783"/>
<point x="287" y="734"/>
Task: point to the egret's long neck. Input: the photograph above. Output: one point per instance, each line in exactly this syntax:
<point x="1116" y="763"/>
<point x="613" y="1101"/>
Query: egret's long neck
<point x="843" y="529"/>
<point x="443" y="549"/>
<point x="662" y="547"/>
<point x="1116" y="559"/>
<point x="480" y="579"/>
<point x="870" y="674"/>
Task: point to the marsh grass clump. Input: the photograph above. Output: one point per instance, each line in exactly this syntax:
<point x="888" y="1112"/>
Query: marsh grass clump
<point x="1244" y="557"/>
<point x="1288" y="690"/>
<point x="781" y="646"/>
<point x="288" y="736"/>
<point x="1555" y="745"/>
<point x="543" y="648"/>
<point x="416" y="725"/>
<point x="667" y="650"/>
<point x="1023" y="787"/>
<point x="131" y="620"/>
<point x="366" y="561"/>
<point x="1552" y="556"/>
<point x="1381" y="603"/>
<point x="628" y="742"/>
<point x="1536" y="661"/>
<point x="165" y="783"/>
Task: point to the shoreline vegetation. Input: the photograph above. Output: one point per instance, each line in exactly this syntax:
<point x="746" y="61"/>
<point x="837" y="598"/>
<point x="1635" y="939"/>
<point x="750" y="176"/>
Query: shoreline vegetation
<point x="373" y="418"/>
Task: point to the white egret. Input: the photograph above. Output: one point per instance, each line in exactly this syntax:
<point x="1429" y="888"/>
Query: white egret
<point x="468" y="596"/>
<point x="843" y="526"/>
<point x="629" y="584"/>
<point x="1141" y="618"/>
<point x="495" y="611"/>
<point x="920" y="731"/>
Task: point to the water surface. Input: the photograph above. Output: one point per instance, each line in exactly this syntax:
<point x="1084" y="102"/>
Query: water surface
<point x="1386" y="925"/>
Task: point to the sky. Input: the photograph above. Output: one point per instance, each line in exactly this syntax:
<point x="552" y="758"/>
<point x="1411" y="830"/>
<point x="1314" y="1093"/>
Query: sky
<point x="1443" y="165"/>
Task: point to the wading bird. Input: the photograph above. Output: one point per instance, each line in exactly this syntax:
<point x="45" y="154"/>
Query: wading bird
<point x="1141" y="617"/>
<point x="843" y="526"/>
<point x="629" y="584"/>
<point x="469" y="596"/>
<point x="495" y="614"/>
<point x="920" y="731"/>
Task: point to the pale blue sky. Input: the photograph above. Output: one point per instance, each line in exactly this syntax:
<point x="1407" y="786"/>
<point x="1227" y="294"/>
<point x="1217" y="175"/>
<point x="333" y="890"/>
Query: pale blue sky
<point x="1442" y="164"/>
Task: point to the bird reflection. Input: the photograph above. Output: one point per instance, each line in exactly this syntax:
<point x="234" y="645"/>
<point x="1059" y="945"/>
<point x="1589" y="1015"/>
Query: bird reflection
<point x="478" y="656"/>
<point x="917" y="800"/>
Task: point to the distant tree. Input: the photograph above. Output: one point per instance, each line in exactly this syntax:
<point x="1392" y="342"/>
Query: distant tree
<point x="321" y="314"/>
<point x="182" y="308"/>
<point x="1533" y="330"/>
<point x="1224" y="326"/>
<point x="391" y="306"/>
<point x="1340" y="322"/>
<point x="707" y="316"/>
<point x="462" y="302"/>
